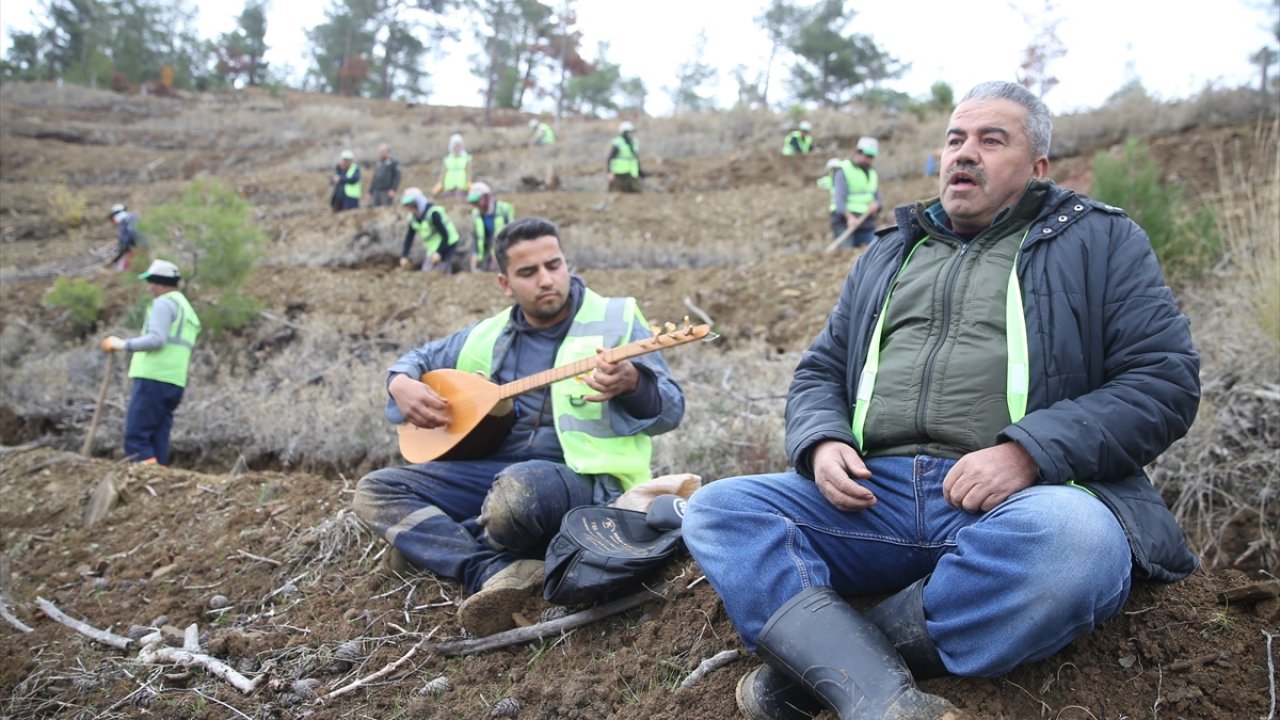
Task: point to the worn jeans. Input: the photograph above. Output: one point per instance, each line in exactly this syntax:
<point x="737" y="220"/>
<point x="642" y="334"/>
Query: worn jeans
<point x="150" y="419"/>
<point x="468" y="520"/>
<point x="1009" y="586"/>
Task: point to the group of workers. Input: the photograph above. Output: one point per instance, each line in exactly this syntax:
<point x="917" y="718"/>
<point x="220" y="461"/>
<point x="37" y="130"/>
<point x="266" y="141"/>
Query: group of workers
<point x="997" y="495"/>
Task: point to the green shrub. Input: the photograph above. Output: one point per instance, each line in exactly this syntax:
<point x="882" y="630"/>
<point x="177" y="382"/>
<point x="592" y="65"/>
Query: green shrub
<point x="80" y="298"/>
<point x="209" y="232"/>
<point x="1186" y="238"/>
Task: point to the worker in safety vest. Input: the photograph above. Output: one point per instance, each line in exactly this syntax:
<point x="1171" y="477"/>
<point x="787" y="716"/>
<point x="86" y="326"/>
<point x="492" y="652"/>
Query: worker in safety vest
<point x="455" y="175"/>
<point x="800" y="140"/>
<point x="346" y="183"/>
<point x="855" y="195"/>
<point x="486" y="522"/>
<point x="127" y="236"/>
<point x="432" y="225"/>
<point x="624" y="161"/>
<point x="542" y="133"/>
<point x="489" y="216"/>
<point x="161" y="357"/>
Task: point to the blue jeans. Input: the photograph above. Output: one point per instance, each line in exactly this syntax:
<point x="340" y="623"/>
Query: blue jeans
<point x="468" y="520"/>
<point x="1008" y="586"/>
<point x="150" y="419"/>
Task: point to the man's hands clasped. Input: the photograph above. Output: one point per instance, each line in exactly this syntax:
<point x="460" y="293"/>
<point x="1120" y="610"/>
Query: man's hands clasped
<point x="978" y="482"/>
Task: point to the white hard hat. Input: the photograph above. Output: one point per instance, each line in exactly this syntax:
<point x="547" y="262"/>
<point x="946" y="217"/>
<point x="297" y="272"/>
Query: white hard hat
<point x="347" y="155"/>
<point x="410" y="195"/>
<point x="455" y="139"/>
<point x="117" y="208"/>
<point x="161" y="269"/>
<point x="478" y="190"/>
<point x="626" y="127"/>
<point x="806" y="126"/>
<point x="868" y="146"/>
<point x="533" y="123"/>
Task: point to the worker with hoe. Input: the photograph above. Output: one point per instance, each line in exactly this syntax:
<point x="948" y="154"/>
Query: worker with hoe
<point x="486" y="523"/>
<point x="127" y="236"/>
<point x="489" y="216"/>
<point x="623" y="162"/>
<point x="345" y="183"/>
<point x="432" y="225"/>
<point x="800" y="140"/>
<point x="968" y="434"/>
<point x="455" y="173"/>
<point x="855" y="196"/>
<point x="161" y="357"/>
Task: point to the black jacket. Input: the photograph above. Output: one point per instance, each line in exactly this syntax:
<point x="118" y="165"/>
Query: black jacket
<point x="1114" y="374"/>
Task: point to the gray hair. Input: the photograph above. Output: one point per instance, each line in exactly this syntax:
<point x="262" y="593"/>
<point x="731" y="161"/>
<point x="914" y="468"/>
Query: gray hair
<point x="1039" y="123"/>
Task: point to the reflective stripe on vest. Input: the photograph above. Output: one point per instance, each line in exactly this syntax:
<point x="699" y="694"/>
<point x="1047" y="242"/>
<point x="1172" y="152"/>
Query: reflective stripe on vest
<point x="1017" y="376"/>
<point x="503" y="214"/>
<point x="352" y="189"/>
<point x="625" y="163"/>
<point x="169" y="363"/>
<point x="583" y="428"/>
<point x="455" y="171"/>
<point x="427" y="232"/>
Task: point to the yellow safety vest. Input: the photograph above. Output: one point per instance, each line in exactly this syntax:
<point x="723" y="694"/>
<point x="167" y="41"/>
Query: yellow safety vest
<point x="455" y="171"/>
<point x="169" y="363"/>
<point x="586" y="436"/>
<point x="427" y="232"/>
<point x="625" y="162"/>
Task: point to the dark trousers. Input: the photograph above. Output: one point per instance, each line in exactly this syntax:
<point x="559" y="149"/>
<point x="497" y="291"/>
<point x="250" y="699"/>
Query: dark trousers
<point x="468" y="520"/>
<point x="150" y="418"/>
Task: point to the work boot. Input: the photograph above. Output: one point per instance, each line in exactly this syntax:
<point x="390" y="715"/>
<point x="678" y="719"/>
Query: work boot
<point x="491" y="610"/>
<point x="394" y="564"/>
<point x="766" y="694"/>
<point x="843" y="660"/>
<point x="901" y="618"/>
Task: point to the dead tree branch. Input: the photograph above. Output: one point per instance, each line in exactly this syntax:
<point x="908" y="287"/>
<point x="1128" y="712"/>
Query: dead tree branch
<point x="102" y="636"/>
<point x="359" y="682"/>
<point x="708" y="666"/>
<point x="551" y="627"/>
<point x="176" y="656"/>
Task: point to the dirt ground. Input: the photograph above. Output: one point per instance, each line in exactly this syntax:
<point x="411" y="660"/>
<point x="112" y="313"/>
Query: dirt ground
<point x="265" y="557"/>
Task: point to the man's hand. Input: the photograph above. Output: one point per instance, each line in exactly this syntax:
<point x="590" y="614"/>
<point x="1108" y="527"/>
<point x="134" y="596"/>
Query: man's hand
<point x="419" y="403"/>
<point x="610" y="380"/>
<point x="404" y="263"/>
<point x="435" y="258"/>
<point x="985" y="478"/>
<point x="111" y="343"/>
<point x="835" y="467"/>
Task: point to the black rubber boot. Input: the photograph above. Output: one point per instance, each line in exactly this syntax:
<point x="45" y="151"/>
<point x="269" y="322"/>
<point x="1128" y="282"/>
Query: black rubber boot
<point x="843" y="660"/>
<point x="767" y="694"/>
<point x="901" y="618"/>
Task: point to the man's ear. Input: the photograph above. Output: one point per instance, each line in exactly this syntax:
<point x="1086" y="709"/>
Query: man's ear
<point x="505" y="284"/>
<point x="1040" y="168"/>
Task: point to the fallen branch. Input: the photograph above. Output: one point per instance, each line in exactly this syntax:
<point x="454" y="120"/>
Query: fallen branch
<point x="1251" y="593"/>
<point x="1271" y="673"/>
<point x="1196" y="662"/>
<point x="551" y="627"/>
<point x="708" y="666"/>
<point x="259" y="558"/>
<point x="177" y="656"/>
<point x="9" y="618"/>
<point x="359" y="682"/>
<point x="102" y="636"/>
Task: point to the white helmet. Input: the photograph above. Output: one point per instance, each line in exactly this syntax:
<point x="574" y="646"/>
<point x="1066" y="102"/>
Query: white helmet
<point x="410" y="195"/>
<point x="805" y="126"/>
<point x="118" y="207"/>
<point x="455" y="139"/>
<point x="626" y="127"/>
<point x="347" y="155"/>
<point x="868" y="146"/>
<point x="533" y="123"/>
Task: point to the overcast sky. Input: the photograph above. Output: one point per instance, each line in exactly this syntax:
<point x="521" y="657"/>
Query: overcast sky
<point x="1175" y="47"/>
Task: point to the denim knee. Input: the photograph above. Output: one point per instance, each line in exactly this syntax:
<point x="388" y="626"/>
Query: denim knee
<point x="523" y="508"/>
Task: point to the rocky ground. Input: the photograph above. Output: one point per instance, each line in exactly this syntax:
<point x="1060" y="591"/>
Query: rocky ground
<point x="249" y="536"/>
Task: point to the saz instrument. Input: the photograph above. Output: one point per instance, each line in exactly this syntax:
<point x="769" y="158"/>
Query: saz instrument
<point x="475" y="430"/>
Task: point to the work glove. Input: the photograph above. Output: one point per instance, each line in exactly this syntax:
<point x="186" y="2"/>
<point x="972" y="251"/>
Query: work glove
<point x="404" y="263"/>
<point x="111" y="343"/>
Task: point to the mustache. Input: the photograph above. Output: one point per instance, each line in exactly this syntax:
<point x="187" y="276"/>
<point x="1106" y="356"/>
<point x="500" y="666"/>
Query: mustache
<point x="977" y="173"/>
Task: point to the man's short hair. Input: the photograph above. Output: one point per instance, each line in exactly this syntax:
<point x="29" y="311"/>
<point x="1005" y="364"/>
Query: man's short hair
<point x="1039" y="123"/>
<point x="526" y="228"/>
